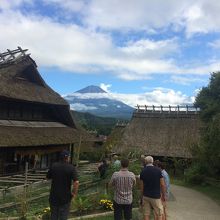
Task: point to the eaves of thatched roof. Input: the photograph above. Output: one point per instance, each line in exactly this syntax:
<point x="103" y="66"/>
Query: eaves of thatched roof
<point x="22" y="81"/>
<point x="22" y="134"/>
<point x="160" y="135"/>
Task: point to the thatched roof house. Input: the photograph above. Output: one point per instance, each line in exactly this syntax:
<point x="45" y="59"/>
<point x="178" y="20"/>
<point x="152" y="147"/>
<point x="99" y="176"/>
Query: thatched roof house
<point x="165" y="132"/>
<point x="35" y="121"/>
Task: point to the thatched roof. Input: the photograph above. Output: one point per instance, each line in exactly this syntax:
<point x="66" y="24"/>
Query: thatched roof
<point x="22" y="81"/>
<point x="114" y="139"/>
<point x="161" y="135"/>
<point x="21" y="134"/>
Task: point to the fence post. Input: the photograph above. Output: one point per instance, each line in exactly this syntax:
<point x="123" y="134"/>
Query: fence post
<point x="25" y="174"/>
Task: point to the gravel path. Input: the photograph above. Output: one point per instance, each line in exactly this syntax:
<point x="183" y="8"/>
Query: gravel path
<point x="188" y="204"/>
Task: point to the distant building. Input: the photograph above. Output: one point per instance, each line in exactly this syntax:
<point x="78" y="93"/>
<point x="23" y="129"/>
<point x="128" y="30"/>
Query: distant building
<point x="163" y="131"/>
<point x="35" y="121"/>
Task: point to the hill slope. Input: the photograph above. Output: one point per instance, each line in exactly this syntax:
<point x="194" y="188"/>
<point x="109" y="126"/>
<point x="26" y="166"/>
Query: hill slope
<point x="91" y="122"/>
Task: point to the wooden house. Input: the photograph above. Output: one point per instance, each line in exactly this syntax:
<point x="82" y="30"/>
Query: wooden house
<point x="161" y="131"/>
<point x="35" y="121"/>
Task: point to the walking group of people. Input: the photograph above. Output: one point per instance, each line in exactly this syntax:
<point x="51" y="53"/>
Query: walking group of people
<point x="154" y="185"/>
<point x="154" y="182"/>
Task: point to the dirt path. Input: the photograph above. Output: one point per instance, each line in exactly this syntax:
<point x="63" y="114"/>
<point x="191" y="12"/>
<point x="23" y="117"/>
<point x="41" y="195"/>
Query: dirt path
<point x="188" y="204"/>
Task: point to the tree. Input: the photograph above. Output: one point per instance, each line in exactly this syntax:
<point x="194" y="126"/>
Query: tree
<point x="208" y="152"/>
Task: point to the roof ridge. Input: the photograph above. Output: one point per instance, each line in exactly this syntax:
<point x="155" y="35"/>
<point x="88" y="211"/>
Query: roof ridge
<point x="11" y="56"/>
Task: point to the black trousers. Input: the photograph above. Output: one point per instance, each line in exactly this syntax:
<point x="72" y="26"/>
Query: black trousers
<point x="59" y="212"/>
<point x="120" y="209"/>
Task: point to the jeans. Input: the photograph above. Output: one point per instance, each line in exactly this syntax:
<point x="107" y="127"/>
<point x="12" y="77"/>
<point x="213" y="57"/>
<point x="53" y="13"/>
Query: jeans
<point x="60" y="212"/>
<point x="120" y="209"/>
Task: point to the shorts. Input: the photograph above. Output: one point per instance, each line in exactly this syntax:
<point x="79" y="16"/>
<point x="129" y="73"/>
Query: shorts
<point x="156" y="204"/>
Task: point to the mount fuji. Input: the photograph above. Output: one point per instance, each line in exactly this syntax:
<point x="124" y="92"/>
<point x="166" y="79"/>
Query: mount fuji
<point x="94" y="100"/>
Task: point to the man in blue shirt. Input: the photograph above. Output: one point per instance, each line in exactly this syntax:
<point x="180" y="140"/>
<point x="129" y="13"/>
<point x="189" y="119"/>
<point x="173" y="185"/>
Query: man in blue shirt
<point x="152" y="190"/>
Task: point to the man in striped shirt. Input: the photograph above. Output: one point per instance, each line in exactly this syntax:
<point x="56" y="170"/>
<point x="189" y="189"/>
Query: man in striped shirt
<point x="123" y="182"/>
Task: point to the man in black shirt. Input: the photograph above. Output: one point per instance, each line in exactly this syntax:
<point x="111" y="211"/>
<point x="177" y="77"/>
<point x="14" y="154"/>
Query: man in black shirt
<point x="63" y="175"/>
<point x="152" y="189"/>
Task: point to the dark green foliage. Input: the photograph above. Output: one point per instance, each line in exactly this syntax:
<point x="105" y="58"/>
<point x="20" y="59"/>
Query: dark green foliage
<point x="91" y="122"/>
<point x="208" y="98"/>
<point x="207" y="153"/>
<point x="90" y="156"/>
<point x="82" y="204"/>
<point x="194" y="175"/>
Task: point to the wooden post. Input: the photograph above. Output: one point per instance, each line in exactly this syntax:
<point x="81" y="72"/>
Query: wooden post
<point x="71" y="153"/>
<point x="25" y="181"/>
<point x="78" y="150"/>
<point x="25" y="174"/>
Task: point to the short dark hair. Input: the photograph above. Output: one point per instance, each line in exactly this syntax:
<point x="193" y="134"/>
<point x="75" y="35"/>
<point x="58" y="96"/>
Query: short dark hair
<point x="161" y="165"/>
<point x="124" y="162"/>
<point x="64" y="154"/>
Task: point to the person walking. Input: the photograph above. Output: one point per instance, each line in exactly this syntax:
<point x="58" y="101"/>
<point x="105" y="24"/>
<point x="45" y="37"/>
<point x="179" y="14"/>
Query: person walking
<point x="116" y="163"/>
<point x="63" y="176"/>
<point x="167" y="183"/>
<point x="152" y="190"/>
<point x="102" y="168"/>
<point x="123" y="182"/>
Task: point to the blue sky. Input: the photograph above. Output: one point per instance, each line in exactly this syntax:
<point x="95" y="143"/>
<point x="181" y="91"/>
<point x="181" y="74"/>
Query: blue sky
<point x="141" y="52"/>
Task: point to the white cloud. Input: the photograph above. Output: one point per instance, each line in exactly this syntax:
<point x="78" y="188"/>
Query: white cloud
<point x="13" y="4"/>
<point x="150" y="49"/>
<point x="67" y="5"/>
<point x="75" y="48"/>
<point x="199" y="16"/>
<point x="158" y="96"/>
<point x="202" y="17"/>
<point x="89" y="96"/>
<point x="215" y="44"/>
<point x="103" y="105"/>
<point x="81" y="107"/>
<point x="136" y="15"/>
<point x="185" y="80"/>
<point x="105" y="87"/>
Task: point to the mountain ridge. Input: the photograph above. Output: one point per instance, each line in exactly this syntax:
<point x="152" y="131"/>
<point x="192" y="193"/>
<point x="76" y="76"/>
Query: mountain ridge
<point x="91" y="89"/>
<point x="94" y="100"/>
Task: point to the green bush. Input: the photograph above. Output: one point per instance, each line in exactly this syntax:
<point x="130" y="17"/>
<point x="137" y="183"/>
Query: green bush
<point x="91" y="156"/>
<point x="194" y="176"/>
<point x="82" y="204"/>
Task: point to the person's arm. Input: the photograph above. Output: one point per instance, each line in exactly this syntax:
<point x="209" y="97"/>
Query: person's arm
<point x="163" y="189"/>
<point x="75" y="188"/>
